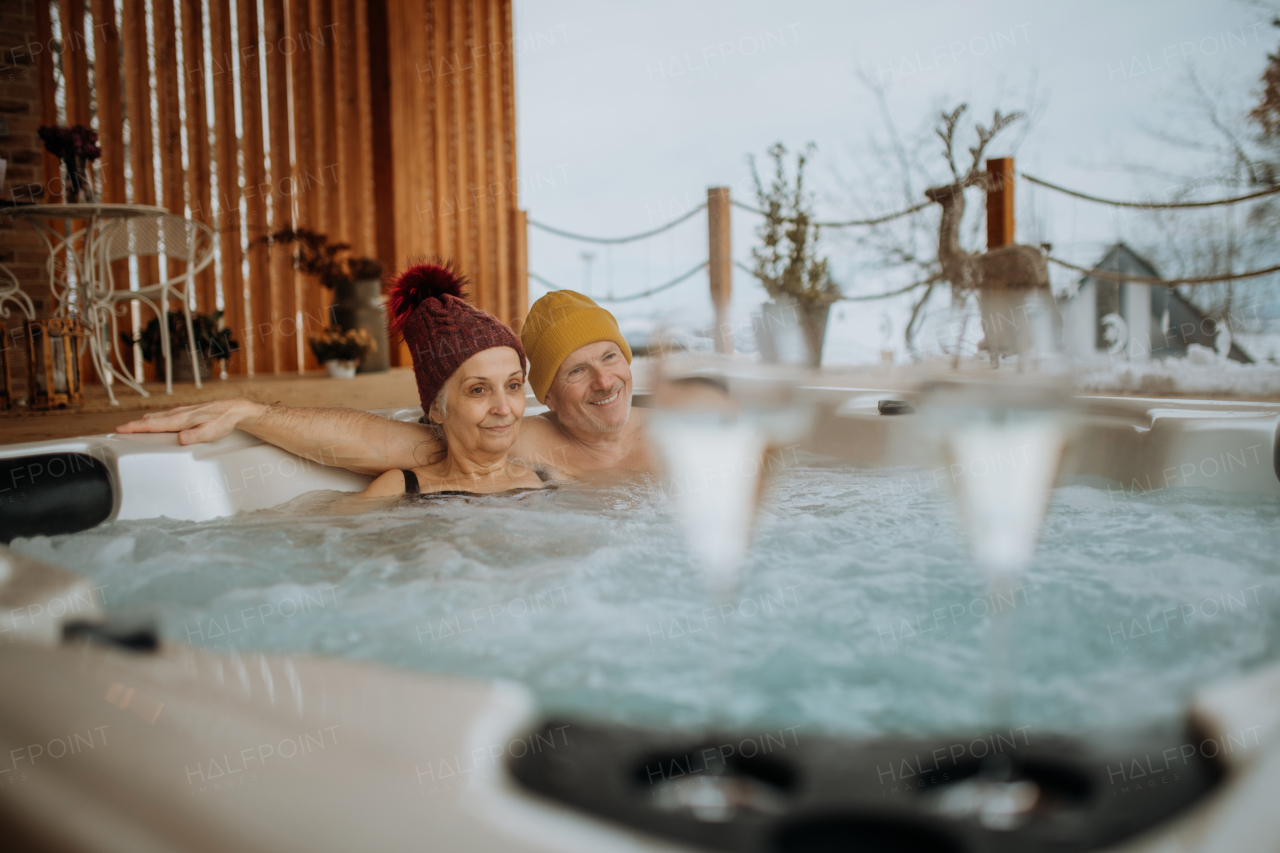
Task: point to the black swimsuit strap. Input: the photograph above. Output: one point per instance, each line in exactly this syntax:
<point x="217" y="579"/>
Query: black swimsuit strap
<point x="411" y="486"/>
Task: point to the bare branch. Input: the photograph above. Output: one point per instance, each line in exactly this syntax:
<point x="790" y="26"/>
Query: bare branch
<point x="998" y="123"/>
<point x="910" y="334"/>
<point x="947" y="133"/>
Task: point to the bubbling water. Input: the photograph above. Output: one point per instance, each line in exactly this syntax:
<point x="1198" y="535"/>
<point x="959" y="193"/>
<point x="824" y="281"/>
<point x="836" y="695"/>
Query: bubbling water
<point x="859" y="611"/>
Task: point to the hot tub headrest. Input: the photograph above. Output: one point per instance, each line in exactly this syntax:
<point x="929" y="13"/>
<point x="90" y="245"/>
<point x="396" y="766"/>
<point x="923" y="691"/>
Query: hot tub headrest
<point x="52" y="493"/>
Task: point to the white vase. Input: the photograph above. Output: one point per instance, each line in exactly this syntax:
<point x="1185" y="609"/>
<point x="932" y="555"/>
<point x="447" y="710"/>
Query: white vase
<point x="341" y="369"/>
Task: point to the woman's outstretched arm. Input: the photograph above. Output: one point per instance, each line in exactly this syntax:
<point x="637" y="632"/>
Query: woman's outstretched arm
<point x="343" y="438"/>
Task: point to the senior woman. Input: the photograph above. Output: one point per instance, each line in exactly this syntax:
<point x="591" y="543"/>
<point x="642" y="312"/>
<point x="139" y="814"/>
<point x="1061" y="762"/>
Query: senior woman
<point x="470" y="372"/>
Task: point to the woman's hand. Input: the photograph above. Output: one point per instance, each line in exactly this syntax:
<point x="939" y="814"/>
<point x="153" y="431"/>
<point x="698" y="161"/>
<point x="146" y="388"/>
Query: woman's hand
<point x="196" y="424"/>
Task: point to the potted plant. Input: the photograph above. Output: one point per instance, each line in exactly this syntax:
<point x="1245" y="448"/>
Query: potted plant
<point x="341" y="350"/>
<point x="787" y="262"/>
<point x="76" y="147"/>
<point x="356" y="284"/>
<point x="211" y="343"/>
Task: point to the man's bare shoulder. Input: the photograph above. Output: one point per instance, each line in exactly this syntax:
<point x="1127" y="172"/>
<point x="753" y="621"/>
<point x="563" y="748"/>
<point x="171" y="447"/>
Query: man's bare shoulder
<point x="541" y="441"/>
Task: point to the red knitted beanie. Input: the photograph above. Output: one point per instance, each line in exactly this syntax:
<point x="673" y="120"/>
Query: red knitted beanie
<point x="426" y="306"/>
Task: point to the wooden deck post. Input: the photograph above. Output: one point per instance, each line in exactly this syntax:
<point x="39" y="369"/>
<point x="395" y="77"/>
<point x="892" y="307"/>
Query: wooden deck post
<point x="720" y="270"/>
<point x="1000" y="222"/>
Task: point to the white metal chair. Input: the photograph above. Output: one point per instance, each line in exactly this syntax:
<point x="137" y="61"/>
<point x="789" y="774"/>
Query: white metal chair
<point x="176" y="239"/>
<point x="11" y="291"/>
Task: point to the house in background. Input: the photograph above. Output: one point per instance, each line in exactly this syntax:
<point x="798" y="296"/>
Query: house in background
<point x="1142" y="321"/>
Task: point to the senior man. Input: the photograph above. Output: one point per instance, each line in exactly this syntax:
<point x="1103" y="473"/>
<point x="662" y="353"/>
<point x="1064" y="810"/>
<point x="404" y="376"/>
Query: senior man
<point x="579" y="366"/>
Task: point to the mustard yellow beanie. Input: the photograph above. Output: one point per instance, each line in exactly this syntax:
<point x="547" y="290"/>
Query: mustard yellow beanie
<point x="558" y="324"/>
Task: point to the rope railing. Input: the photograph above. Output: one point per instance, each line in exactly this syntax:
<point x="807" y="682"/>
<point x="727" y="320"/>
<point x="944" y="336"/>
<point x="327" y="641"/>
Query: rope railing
<point x="1108" y="275"/>
<point x="629" y="297"/>
<point x="846" y="224"/>
<point x="1151" y="205"/>
<point x="615" y="240"/>
<point x="933" y="279"/>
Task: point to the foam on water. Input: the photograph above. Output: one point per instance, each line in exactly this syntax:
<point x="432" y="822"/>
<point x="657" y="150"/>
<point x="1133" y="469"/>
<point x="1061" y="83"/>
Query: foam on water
<point x="859" y="610"/>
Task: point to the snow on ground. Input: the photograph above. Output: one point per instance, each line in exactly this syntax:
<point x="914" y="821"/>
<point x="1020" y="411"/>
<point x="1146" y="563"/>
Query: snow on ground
<point x="1203" y="371"/>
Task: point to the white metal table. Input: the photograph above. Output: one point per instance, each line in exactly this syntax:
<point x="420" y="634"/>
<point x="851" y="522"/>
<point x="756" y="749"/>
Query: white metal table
<point x="84" y="270"/>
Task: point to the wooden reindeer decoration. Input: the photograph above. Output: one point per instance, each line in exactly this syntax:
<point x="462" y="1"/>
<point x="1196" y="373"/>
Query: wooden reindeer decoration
<point x="998" y="276"/>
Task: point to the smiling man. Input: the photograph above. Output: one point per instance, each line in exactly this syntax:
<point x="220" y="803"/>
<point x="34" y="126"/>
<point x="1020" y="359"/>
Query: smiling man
<point x="580" y="367"/>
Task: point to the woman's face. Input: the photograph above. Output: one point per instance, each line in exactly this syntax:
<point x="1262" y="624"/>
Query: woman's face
<point x="484" y="402"/>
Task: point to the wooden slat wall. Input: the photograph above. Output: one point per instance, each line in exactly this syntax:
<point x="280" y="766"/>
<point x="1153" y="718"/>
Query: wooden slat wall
<point x="387" y="124"/>
<point x="453" y="142"/>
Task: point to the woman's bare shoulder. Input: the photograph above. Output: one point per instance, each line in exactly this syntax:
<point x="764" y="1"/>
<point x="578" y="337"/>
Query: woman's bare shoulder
<point x="387" y="483"/>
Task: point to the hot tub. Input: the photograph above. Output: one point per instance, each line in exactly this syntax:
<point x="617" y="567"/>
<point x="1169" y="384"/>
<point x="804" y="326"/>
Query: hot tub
<point x="584" y="636"/>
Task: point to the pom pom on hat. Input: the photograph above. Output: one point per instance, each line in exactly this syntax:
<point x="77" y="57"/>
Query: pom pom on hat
<point x="419" y="283"/>
<point x="425" y="306"/>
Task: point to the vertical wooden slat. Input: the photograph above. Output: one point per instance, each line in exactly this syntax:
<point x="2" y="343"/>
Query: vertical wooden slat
<point x="79" y="106"/>
<point x="328" y="209"/>
<point x="422" y="94"/>
<point x="518" y="284"/>
<point x="107" y="83"/>
<point x="168" y="108"/>
<point x="258" y="319"/>
<point x="48" y="99"/>
<point x="477" y="150"/>
<point x="384" y="193"/>
<point x="519" y="268"/>
<point x="75" y="62"/>
<point x="496" y="194"/>
<point x="345" y="116"/>
<point x="284" y="306"/>
<point x="364" y="127"/>
<point x="325" y="93"/>
<point x="199" y="193"/>
<point x="137" y="75"/>
<point x="173" y="176"/>
<point x="305" y="168"/>
<point x="226" y="143"/>
<point x="383" y="117"/>
<point x="443" y="78"/>
<point x="460" y="126"/>
<point x="108" y="87"/>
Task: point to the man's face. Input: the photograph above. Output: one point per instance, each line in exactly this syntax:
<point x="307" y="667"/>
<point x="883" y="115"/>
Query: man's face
<point x="592" y="389"/>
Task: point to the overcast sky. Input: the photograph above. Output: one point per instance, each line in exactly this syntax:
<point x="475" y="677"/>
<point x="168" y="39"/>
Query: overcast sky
<point x="628" y="111"/>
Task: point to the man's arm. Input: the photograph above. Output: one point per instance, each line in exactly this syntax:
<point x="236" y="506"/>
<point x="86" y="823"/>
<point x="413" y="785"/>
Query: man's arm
<point x="343" y="438"/>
